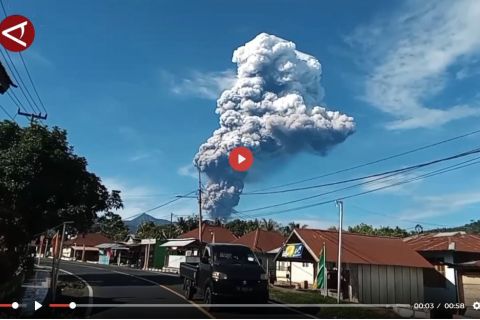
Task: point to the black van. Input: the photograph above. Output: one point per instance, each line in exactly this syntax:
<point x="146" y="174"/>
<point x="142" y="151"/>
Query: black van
<point x="226" y="272"/>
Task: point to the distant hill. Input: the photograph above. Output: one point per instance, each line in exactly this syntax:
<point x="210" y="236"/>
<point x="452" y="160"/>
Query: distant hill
<point x="472" y="227"/>
<point x="135" y="223"/>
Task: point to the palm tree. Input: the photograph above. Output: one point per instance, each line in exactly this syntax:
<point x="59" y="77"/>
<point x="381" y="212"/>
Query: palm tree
<point x="182" y="225"/>
<point x="292" y="226"/>
<point x="150" y="230"/>
<point x="269" y="225"/>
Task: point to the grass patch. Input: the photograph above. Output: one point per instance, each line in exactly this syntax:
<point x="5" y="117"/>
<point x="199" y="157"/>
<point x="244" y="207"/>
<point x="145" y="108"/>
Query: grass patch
<point x="314" y="297"/>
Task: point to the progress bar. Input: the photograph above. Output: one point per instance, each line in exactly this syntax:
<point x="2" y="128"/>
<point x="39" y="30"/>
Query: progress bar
<point x="13" y="305"/>
<point x="237" y="305"/>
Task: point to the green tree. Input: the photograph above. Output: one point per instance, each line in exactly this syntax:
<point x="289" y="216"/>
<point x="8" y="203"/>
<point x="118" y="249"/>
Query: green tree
<point x="286" y="230"/>
<point x="44" y="183"/>
<point x="151" y="230"/>
<point x="111" y="225"/>
<point x="269" y="225"/>
<point x="367" y="229"/>
<point x="186" y="224"/>
<point x="472" y="227"/>
<point x="239" y="227"/>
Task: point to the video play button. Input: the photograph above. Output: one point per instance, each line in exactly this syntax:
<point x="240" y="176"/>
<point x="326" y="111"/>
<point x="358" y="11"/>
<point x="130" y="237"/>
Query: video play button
<point x="240" y="159"/>
<point x="37" y="305"/>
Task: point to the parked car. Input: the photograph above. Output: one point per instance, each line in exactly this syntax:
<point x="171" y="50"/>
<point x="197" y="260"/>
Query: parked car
<point x="226" y="272"/>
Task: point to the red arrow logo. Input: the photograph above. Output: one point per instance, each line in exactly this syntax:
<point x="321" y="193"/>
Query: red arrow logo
<point x="17" y="33"/>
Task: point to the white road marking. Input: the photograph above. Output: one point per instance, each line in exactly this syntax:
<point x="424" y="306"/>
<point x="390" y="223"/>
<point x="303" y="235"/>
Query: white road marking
<point x="181" y="296"/>
<point x="89" y="288"/>
<point x="205" y="312"/>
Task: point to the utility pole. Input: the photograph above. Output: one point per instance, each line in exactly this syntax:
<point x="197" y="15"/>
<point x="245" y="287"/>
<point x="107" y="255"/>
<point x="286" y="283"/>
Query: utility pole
<point x="171" y="224"/>
<point x="199" y="206"/>
<point x="42" y="238"/>
<point x="32" y="116"/>
<point x="339" y="260"/>
<point x="60" y="253"/>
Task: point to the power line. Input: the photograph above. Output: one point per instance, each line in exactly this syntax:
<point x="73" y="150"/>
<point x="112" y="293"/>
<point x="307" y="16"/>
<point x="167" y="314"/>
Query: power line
<point x="21" y="84"/>
<point x="157" y="195"/>
<point x="322" y="194"/>
<point x="417" y="166"/>
<point x="33" y="84"/>
<point x="161" y="205"/>
<point x="393" y="217"/>
<point x="21" y="79"/>
<point x="427" y="175"/>
<point x="372" y="162"/>
<point x="394" y="173"/>
<point x="16" y="101"/>
<point x="7" y="113"/>
<point x="3" y="8"/>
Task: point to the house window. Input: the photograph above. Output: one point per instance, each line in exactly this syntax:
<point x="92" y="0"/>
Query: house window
<point x="440" y="268"/>
<point x="282" y="266"/>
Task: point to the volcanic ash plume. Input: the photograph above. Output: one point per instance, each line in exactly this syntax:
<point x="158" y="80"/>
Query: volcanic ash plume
<point x="273" y="109"/>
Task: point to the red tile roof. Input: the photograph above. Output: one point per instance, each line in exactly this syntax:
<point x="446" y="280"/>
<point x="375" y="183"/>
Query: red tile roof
<point x="222" y="235"/>
<point x="362" y="249"/>
<point x="444" y="241"/>
<point x="89" y="240"/>
<point x="261" y="240"/>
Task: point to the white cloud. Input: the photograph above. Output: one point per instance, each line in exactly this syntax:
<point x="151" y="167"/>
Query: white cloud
<point x="409" y="56"/>
<point x="466" y="72"/>
<point x="139" y="157"/>
<point x="133" y="204"/>
<point x="440" y="205"/>
<point x="138" y="199"/>
<point x="387" y="182"/>
<point x="313" y="222"/>
<point x="188" y="171"/>
<point x="207" y="85"/>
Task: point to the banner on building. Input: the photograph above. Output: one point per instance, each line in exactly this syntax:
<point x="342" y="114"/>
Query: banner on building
<point x="292" y="250"/>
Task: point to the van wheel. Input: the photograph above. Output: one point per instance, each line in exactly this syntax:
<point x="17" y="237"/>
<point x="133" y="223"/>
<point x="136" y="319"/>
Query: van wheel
<point x="187" y="289"/>
<point x="208" y="298"/>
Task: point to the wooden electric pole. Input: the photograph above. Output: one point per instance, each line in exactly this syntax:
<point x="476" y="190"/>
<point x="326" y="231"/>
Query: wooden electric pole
<point x="171" y="225"/>
<point x="32" y="116"/>
<point x="199" y="206"/>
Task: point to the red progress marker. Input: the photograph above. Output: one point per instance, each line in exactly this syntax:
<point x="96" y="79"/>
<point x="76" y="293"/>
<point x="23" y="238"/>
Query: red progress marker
<point x="5" y="305"/>
<point x="59" y="305"/>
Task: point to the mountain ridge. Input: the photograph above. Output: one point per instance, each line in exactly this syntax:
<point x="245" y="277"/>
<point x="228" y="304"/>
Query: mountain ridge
<point x="133" y="224"/>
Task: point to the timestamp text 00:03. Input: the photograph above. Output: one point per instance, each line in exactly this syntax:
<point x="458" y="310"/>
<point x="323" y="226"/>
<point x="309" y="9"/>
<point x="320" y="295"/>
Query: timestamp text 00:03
<point x="431" y="305"/>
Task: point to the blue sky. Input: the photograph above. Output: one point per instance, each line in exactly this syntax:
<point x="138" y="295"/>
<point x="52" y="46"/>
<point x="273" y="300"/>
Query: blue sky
<point x="135" y="85"/>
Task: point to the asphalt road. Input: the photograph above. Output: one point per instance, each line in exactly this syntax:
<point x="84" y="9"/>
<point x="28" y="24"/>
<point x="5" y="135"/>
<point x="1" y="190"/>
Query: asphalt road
<point x="118" y="285"/>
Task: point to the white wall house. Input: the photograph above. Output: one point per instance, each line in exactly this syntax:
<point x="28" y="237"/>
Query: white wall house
<point x="374" y="269"/>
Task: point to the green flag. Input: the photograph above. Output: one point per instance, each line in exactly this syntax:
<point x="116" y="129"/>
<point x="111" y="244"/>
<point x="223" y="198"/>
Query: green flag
<point x="322" y="270"/>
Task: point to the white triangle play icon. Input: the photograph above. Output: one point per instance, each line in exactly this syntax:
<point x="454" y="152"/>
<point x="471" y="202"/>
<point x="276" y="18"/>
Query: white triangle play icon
<point x="37" y="305"/>
<point x="241" y="158"/>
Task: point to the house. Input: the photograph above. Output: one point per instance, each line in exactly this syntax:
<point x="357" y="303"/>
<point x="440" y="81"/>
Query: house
<point x="211" y="234"/>
<point x="180" y="250"/>
<point x="83" y="246"/>
<point x="111" y="253"/>
<point x="186" y="246"/>
<point x="374" y="269"/>
<point x="455" y="256"/>
<point x="265" y="244"/>
<point x="134" y="257"/>
<point x="468" y="275"/>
